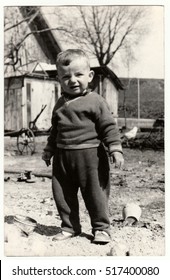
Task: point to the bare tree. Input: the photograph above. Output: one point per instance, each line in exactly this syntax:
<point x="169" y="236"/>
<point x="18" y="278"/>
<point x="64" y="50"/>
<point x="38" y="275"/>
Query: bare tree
<point x="103" y="30"/>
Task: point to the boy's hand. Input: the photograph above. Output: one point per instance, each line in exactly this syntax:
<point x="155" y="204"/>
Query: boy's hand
<point x="117" y="159"/>
<point x="46" y="156"/>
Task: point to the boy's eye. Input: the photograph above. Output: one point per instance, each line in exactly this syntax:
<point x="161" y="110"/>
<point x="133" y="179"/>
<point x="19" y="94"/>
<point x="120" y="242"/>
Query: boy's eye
<point x="65" y="77"/>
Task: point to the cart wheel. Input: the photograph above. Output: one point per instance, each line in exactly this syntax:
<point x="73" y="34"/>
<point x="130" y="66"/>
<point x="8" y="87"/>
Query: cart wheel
<point x="26" y="141"/>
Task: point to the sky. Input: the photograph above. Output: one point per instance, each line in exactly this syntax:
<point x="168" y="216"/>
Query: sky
<point x="150" y="52"/>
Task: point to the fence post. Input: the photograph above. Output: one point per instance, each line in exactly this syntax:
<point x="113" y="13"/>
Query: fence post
<point x="138" y="100"/>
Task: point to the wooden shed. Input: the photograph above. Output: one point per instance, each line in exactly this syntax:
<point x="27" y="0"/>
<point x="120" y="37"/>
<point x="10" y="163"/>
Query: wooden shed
<point x="107" y="84"/>
<point x="24" y="98"/>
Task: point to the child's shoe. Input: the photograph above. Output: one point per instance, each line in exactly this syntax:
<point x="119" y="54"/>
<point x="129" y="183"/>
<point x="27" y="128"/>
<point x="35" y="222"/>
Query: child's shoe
<point x="63" y="235"/>
<point x="101" y="237"/>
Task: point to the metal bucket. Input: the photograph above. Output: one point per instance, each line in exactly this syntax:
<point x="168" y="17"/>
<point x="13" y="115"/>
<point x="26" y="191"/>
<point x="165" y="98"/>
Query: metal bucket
<point x="131" y="210"/>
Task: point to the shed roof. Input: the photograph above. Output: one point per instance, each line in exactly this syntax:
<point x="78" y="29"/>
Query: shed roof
<point x="107" y="72"/>
<point x="14" y="82"/>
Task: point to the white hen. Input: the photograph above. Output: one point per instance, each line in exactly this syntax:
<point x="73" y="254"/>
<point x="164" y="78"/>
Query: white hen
<point x="131" y="134"/>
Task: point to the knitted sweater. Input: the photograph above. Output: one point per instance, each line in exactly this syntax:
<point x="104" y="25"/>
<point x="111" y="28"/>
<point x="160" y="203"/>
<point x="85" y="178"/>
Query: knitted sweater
<point x="83" y="122"/>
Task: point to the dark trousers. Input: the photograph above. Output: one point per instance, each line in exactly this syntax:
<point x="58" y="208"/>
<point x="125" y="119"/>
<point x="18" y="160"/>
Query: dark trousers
<point x="87" y="169"/>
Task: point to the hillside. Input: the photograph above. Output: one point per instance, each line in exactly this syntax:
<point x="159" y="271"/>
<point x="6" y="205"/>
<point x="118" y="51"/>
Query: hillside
<point x="151" y="98"/>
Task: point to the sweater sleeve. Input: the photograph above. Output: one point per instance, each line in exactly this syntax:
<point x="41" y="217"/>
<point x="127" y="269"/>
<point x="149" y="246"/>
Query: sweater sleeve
<point x="107" y="128"/>
<point x="51" y="140"/>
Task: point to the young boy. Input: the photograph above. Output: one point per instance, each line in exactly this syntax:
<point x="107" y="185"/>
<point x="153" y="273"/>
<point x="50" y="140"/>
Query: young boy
<point x="81" y="124"/>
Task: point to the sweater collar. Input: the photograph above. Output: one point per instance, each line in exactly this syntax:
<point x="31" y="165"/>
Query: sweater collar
<point x="67" y="97"/>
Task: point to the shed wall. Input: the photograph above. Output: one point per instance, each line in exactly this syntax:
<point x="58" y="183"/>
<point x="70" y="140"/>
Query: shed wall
<point x="13" y="109"/>
<point x="24" y="103"/>
<point x="43" y="92"/>
<point x="110" y="93"/>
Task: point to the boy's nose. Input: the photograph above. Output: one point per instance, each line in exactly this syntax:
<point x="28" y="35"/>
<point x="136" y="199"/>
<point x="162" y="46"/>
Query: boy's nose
<point x="72" y="79"/>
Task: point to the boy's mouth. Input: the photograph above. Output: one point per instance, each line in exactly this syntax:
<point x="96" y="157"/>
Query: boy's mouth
<point x="74" y="87"/>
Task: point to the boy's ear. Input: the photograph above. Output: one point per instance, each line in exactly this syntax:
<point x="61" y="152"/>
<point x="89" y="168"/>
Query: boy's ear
<point x="91" y="75"/>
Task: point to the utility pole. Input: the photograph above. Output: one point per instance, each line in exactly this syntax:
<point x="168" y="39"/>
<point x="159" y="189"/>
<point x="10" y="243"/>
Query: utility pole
<point x="138" y="81"/>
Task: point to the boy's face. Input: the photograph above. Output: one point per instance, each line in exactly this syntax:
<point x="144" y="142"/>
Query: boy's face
<point x="75" y="77"/>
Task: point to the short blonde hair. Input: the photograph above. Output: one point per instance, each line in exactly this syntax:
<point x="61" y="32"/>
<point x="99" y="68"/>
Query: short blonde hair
<point x="66" y="57"/>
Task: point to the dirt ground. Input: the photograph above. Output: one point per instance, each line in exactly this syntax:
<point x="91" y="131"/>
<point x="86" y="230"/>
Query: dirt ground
<point x="141" y="181"/>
